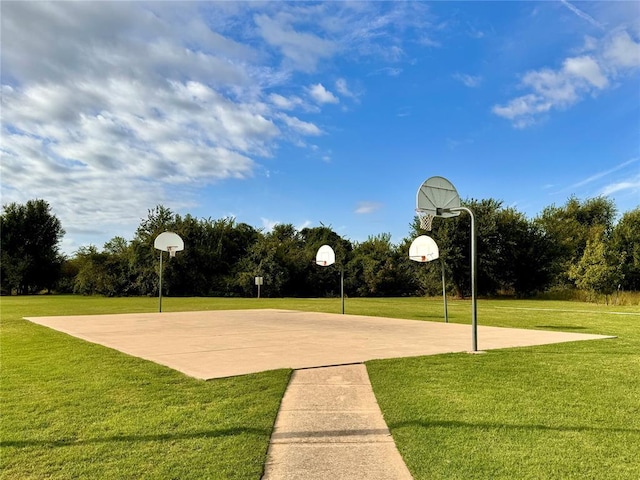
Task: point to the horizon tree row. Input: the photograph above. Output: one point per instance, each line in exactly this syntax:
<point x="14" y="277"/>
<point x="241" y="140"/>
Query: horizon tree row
<point x="578" y="245"/>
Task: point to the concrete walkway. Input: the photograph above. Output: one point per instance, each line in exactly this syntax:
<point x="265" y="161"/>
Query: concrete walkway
<point x="330" y="427"/>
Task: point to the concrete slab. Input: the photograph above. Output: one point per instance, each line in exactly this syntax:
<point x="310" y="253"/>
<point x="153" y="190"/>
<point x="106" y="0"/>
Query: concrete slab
<point x="330" y="426"/>
<point x="223" y="343"/>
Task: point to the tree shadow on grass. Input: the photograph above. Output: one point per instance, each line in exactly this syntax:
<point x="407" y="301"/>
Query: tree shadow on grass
<point x="434" y="316"/>
<point x="498" y="426"/>
<point x="228" y="432"/>
<point x="561" y="327"/>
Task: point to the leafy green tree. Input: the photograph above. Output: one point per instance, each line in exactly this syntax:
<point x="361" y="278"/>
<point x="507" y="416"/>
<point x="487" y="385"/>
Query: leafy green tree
<point x="625" y="242"/>
<point x="120" y="267"/>
<point x="568" y="228"/>
<point x="270" y="259"/>
<point x="522" y="255"/>
<point x="423" y="279"/>
<point x="144" y="256"/>
<point x="108" y="272"/>
<point x="30" y="236"/>
<point x="278" y="257"/>
<point x="92" y="277"/>
<point x="321" y="281"/>
<point x="453" y="236"/>
<point x="375" y="270"/>
<point x="599" y="270"/>
<point x="512" y="252"/>
<point x="213" y="249"/>
<point x="68" y="272"/>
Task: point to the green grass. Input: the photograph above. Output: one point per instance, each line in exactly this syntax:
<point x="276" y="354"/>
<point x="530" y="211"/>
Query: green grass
<point x="559" y="411"/>
<point x="71" y="409"/>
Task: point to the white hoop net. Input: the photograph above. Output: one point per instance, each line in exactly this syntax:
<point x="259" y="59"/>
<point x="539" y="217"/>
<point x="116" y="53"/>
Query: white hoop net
<point x="172" y="251"/>
<point x="426" y="219"/>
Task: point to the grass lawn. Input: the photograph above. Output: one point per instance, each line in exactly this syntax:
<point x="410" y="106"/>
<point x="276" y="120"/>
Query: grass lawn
<point x="71" y="409"/>
<point x="551" y="412"/>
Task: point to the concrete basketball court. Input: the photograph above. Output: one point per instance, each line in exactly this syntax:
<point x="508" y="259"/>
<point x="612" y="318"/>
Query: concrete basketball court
<point x="224" y="343"/>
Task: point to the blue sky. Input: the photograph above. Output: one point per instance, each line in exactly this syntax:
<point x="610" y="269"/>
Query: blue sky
<point x="310" y="113"/>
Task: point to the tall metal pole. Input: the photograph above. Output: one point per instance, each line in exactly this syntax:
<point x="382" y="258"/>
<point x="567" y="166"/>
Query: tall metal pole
<point x="160" y="289"/>
<point x="474" y="309"/>
<point x="444" y="294"/>
<point x="342" y="286"/>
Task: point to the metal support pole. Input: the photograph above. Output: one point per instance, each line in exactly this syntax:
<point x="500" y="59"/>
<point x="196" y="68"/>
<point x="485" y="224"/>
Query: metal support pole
<point x="342" y="287"/>
<point x="444" y="294"/>
<point x="474" y="309"/>
<point x="160" y="289"/>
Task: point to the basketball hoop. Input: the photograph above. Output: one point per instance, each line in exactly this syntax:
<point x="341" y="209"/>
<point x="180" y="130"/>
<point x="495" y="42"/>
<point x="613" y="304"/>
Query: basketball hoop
<point x="426" y="219"/>
<point x="172" y="251"/>
<point x="325" y="256"/>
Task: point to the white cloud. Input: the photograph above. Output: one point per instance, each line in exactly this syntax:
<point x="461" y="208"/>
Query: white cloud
<point x="343" y="89"/>
<point x="114" y="107"/>
<point x="429" y="42"/>
<point x="470" y="81"/>
<point x="367" y="207"/>
<point x="321" y="94"/>
<point x="285" y="103"/>
<point x="622" y="51"/>
<point x="390" y="71"/>
<point x="268" y="225"/>
<point x="633" y="185"/>
<point x="587" y="68"/>
<point x="302" y="50"/>
<point x="523" y="107"/>
<point x="300" y="126"/>
<point x="615" y="56"/>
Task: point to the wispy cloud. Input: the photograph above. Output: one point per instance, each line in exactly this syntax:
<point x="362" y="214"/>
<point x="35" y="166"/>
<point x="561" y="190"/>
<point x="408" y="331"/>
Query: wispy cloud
<point x="582" y="14"/>
<point x="470" y="81"/>
<point x="162" y="101"/>
<point x="321" y="94"/>
<point x="390" y="71"/>
<point x="268" y="225"/>
<point x="343" y="89"/>
<point x="305" y="224"/>
<point x="600" y="175"/>
<point x="367" y="207"/>
<point x="632" y="185"/>
<point x="616" y="55"/>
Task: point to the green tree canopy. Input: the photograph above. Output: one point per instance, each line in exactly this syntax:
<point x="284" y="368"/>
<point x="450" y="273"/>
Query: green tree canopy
<point x="625" y="241"/>
<point x="30" y="235"/>
<point x="568" y="228"/>
<point x="599" y="270"/>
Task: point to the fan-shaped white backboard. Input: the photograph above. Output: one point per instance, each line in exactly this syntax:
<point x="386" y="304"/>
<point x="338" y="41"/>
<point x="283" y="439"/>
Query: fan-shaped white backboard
<point x="436" y="195"/>
<point x="424" y="249"/>
<point x="168" y="240"/>
<point x="325" y="256"/>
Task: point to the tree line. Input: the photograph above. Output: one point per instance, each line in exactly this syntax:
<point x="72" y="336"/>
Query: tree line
<point x="577" y="245"/>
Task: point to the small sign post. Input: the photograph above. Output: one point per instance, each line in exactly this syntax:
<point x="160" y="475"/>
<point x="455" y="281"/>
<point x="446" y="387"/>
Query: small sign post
<point x="259" y="281"/>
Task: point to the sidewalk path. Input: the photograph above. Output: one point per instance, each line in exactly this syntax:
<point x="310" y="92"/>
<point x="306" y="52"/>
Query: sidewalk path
<point x="330" y="427"/>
